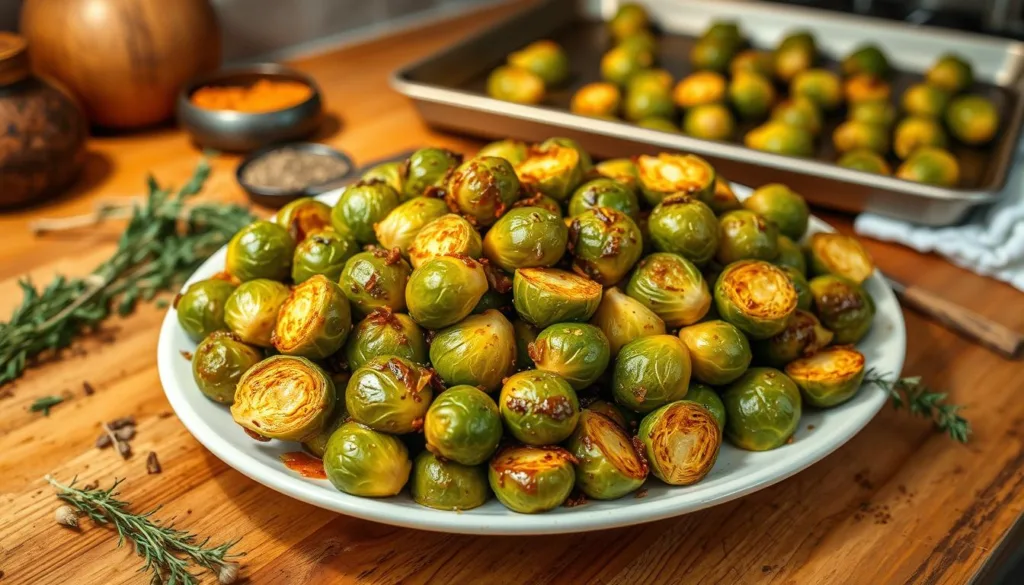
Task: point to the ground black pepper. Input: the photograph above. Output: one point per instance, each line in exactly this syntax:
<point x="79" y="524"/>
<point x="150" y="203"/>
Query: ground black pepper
<point x="293" y="169"/>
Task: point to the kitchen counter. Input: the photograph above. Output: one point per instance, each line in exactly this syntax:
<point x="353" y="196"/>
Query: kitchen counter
<point x="899" y="503"/>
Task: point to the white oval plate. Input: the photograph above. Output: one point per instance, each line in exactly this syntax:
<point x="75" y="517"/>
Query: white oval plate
<point x="736" y="473"/>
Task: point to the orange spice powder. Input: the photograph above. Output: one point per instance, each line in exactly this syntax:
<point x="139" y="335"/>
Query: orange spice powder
<point x="263" y="96"/>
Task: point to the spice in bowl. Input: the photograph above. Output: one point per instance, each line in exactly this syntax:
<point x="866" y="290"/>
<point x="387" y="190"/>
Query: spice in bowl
<point x="293" y="169"/>
<point x="266" y="95"/>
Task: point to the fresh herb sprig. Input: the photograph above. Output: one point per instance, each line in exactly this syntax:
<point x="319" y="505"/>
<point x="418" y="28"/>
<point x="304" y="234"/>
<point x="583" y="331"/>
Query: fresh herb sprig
<point x="168" y="553"/>
<point x="915" y="396"/>
<point x="43" y="404"/>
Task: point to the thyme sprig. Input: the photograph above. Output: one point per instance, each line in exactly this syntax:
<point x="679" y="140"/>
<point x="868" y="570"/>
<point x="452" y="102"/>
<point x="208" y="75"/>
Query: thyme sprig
<point x="920" y="400"/>
<point x="45" y="403"/>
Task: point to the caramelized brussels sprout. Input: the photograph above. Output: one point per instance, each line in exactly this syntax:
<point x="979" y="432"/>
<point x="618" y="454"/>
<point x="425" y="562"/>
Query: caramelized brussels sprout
<point x="672" y="287"/>
<point x="324" y="252"/>
<point x="752" y="61"/>
<point x="930" y="165"/>
<point x="800" y="112"/>
<point x="925" y="100"/>
<point x="375" y="279"/>
<point x="790" y="255"/>
<point x="660" y="124"/>
<point x="577" y="352"/>
<point x="479" y="350"/>
<point x="951" y="73"/>
<point x="260" y="250"/>
<point x="722" y="199"/>
<point x="388" y="172"/>
<point x="755" y="296"/>
<point x="218" y="364"/>
<point x="832" y="253"/>
<point x="622" y="319"/>
<point x="314" y="321"/>
<point x="719" y="352"/>
<point x="284" y="397"/>
<point x="463" y="425"/>
<point x="622" y="170"/>
<point x="384" y="332"/>
<point x="700" y="88"/>
<point x="200" y="308"/>
<point x="852" y="135"/>
<point x="682" y="440"/>
<point x="711" y="54"/>
<point x="482" y="189"/>
<point x="631" y="18"/>
<point x="599" y="99"/>
<point x="651" y="372"/>
<point x="448" y="235"/>
<point x="802" y="336"/>
<point x="604" y="192"/>
<point x="251" y="310"/>
<point x="626" y="419"/>
<point x="804" y="299"/>
<point x="400" y="226"/>
<point x="866" y="89"/>
<point x="538" y="407"/>
<point x="427" y="168"/>
<point x="360" y="207"/>
<point x="447" y="485"/>
<point x="876" y="113"/>
<point x="514" y="151"/>
<point x="585" y="161"/>
<point x="525" y="334"/>
<point x="623" y="62"/>
<point x="821" y="86"/>
<point x="363" y="462"/>
<point x="444" y="290"/>
<point x="709" y="122"/>
<point x="685" y="226"/>
<point x="317" y="444"/>
<point x="866" y="60"/>
<point x="666" y="174"/>
<point x="779" y="138"/>
<point x="515" y="84"/>
<point x="796" y="52"/>
<point x="552" y="169"/>
<point x="751" y="95"/>
<point x="545" y="296"/>
<point x="526" y="237"/>
<point x="645" y="102"/>
<point x="843" y="306"/>
<point x="829" y="377"/>
<point x="762" y="409"/>
<point x="304" y="216"/>
<point x="545" y="59"/>
<point x="744" y="234"/>
<point x="389" y="394"/>
<point x="709" y="399"/>
<point x="540" y="201"/>
<point x="782" y="206"/>
<point x="865" y="160"/>
<point x="973" y="119"/>
<point x="605" y="244"/>
<point x="529" y="479"/>
<point x="608" y="466"/>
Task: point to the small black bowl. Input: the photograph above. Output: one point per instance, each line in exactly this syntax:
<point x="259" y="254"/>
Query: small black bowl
<point x="276" y="198"/>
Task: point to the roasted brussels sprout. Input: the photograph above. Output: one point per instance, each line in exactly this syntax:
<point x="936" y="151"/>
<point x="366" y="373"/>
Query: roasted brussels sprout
<point x="426" y="168"/>
<point x="685" y="226"/>
<point x="605" y="244"/>
<point x="796" y="52"/>
<point x="626" y="419"/>
<point x="447" y="485"/>
<point x="201" y="307"/>
<point x="448" y="235"/>
<point x="802" y="336"/>
<point x="930" y="165"/>
<point x="464" y="425"/>
<point x="660" y="124"/>
<point x="709" y="122"/>
<point x="525" y="334"/>
<point x="866" y="89"/>
<point x="585" y="161"/>
<point x="804" y="299"/>
<point x="651" y="372"/>
<point x="744" y="234"/>
<point x="251" y="310"/>
<point x="375" y="279"/>
<point x="444" y="290"/>
<point x="482" y="189"/>
<point x="622" y="170"/>
<point x="682" y="440"/>
<point x="722" y="199"/>
<point x="878" y="113"/>
<point x="832" y="253"/>
<point x="479" y="351"/>
<point x="852" y="135"/>
<point x="515" y="84"/>
<point x="599" y="99"/>
<point x="711" y="54"/>
<point x="821" y="86"/>
<point x="719" y="352"/>
<point x="646" y="102"/>
<point x="607" y="464"/>
<point x="324" y="252"/>
<point x="389" y="172"/>
<point x="672" y="287"/>
<point x="790" y="255"/>
<point x="709" y="399"/>
<point x="865" y="160"/>
<point x="219" y="362"/>
<point x="779" y="138"/>
<point x="361" y="206"/>
<point x="622" y="319"/>
<point x="545" y="59"/>
<point x="725" y="31"/>
<point x="782" y="206"/>
<point x="314" y="321"/>
<point x="604" y="192"/>
<point x="552" y="169"/>
<point x="762" y="409"/>
<point x="972" y="119"/>
<point x="284" y="397"/>
<point x="631" y="18"/>
<point x="642" y="40"/>
<point x="526" y="237"/>
<point x="495" y="300"/>
<point x="541" y="201"/>
<point x="260" y="250"/>
<point x="390" y="394"/>
<point x="666" y="174"/>
<point x="514" y="151"/>
<point x="384" y="332"/>
<point x="925" y="100"/>
<point x="755" y="296"/>
<point x="752" y="61"/>
<point x="400" y="226"/>
<point x="829" y="377"/>
<point x="866" y="60"/>
<point x="623" y="62"/>
<point x="751" y="95"/>
<point x="657" y="80"/>
<point x="843" y="306"/>
<point x="700" y="88"/>
<point x="951" y="73"/>
<point x="303" y="217"/>
<point x="545" y="296"/>
<point x="531" y="479"/>
<point x="577" y="352"/>
<point x="317" y="444"/>
<point x="363" y="462"/>
<point x="538" y="407"/>
<point x="800" y="112"/>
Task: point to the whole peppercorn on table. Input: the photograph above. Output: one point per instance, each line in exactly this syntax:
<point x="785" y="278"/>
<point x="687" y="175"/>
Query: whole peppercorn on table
<point x="898" y="504"/>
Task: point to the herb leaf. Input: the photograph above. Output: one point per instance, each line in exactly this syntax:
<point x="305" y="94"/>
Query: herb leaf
<point x="912" y="394"/>
<point x="45" y="403"/>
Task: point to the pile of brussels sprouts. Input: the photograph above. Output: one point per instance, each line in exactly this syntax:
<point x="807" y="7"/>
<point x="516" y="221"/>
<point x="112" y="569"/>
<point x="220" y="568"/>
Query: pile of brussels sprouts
<point x="526" y="323"/>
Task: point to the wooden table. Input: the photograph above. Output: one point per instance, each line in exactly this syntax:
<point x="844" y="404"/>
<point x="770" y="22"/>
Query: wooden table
<point x="897" y="504"/>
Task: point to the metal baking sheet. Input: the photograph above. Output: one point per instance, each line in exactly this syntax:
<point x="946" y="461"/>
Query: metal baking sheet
<point x="448" y="90"/>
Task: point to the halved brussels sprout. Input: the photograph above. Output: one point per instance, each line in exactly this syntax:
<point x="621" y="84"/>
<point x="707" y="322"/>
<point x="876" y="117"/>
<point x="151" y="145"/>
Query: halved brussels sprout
<point x="219" y="362"/>
<point x="752" y="61"/>
<point x="390" y="394"/>
<point x="444" y="290"/>
<point x="389" y="172"/>
<point x="843" y="306"/>
<point x="802" y="336"/>
<point x="666" y="174"/>
<point x="514" y="151"/>
<point x="866" y="161"/>
<point x="363" y="462"/>
<point x="879" y="113"/>
<point x="284" y="397"/>
<point x="525" y="334"/>
<point x="751" y="95"/>
<point x="544" y="58"/>
<point x="821" y="86"/>
<point x="622" y="170"/>
<point x="545" y="296"/>
<point x="375" y="279"/>
<point x="711" y="54"/>
<point x="479" y="350"/>
<point x="660" y="124"/>
<point x="804" y="299"/>
<point x="585" y="161"/>
<point x="930" y="165"/>
<point x="651" y="372"/>
<point x="604" y="192"/>
<point x="685" y="226"/>
<point x="303" y="217"/>
<point x="641" y="40"/>
<point x="762" y="409"/>
<point x="709" y="122"/>
<point x="951" y="73"/>
<point x="577" y="352"/>
<point x="623" y="62"/>
<point x="866" y="60"/>
<point x="447" y="485"/>
<point x="482" y="189"/>
<point x="791" y="255"/>
<point x="448" y="235"/>
<point x="779" y="138"/>
<point x="800" y="112"/>
<point x="464" y="425"/>
<point x="852" y="135"/>
<point x="526" y="237"/>
<point x="838" y="254"/>
<point x="608" y="465"/>
<point x="317" y="444"/>
<point x="744" y="234"/>
<point x="361" y="206"/>
<point x="554" y="170"/>
<point x="925" y="100"/>
<point x="315" y="320"/>
<point x="427" y="168"/>
<point x="260" y="250"/>
<point x="973" y="119"/>
<point x="682" y="440"/>
<point x="400" y="226"/>
<point x="324" y="252"/>
<point x="201" y="307"/>
<point x="600" y="99"/>
<point x="538" y="407"/>
<point x="700" y="88"/>
<point x="709" y="399"/>
<point x="613" y="412"/>
<point x="605" y="244"/>
<point x="622" y="319"/>
<point x="796" y="52"/>
<point x="672" y="287"/>
<point x="515" y="84"/>
<point x="648" y="101"/>
<point x="866" y="89"/>
<point x="532" y="479"/>
<point x="631" y="18"/>
<point x="384" y="332"/>
<point x="719" y="352"/>
<point x="755" y="296"/>
<point x="782" y="206"/>
<point x="829" y="377"/>
<point x="722" y="199"/>
<point x="251" y="310"/>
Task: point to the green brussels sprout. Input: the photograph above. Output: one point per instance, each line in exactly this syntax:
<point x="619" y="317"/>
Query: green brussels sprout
<point x="363" y="462"/>
<point x="925" y="100"/>
<point x="427" y="168"/>
<point x="930" y="165"/>
<point x="646" y="101"/>
<point x="653" y="80"/>
<point x="852" y="135"/>
<point x="448" y="235"/>
<point x="260" y="250"/>
<point x="709" y="399"/>
<point x="782" y="206"/>
<point x="719" y="352"/>
<point x="829" y="377"/>
<point x="711" y="55"/>
<point x="284" y="397"/>
<point x="400" y="226"/>
<point x="861" y="89"/>
<point x="641" y="40"/>
<point x="317" y="445"/>
<point x="464" y="425"/>
<point x="514" y="151"/>
<point x="201" y="307"/>
<point x="672" y="287"/>
<point x="709" y="122"/>
<point x="631" y="18"/>
<point x="762" y="409"/>
<point x="865" y="160"/>
<point x="755" y="296"/>
<point x="604" y="192"/>
<point x="538" y="407"/>
<point x="796" y="53"/>
<point x="444" y="290"/>
<point x="951" y="73"/>
<point x="375" y="279"/>
<point x="324" y="252"/>
<point x="304" y="216"/>
<point x="832" y="253"/>
<point x="525" y="334"/>
<point x="699" y="89"/>
<point x="744" y="234"/>
<point x="390" y="394"/>
<point x="389" y="172"/>
<point x="605" y="244"/>
<point x="622" y="319"/>
<point x="722" y="199"/>
<point x="866" y="60"/>
<point x="622" y="170"/>
<point x="725" y="31"/>
<point x="876" y="113"/>
<point x="843" y="306"/>
<point x="804" y="299"/>
<point x="529" y="479"/>
<point x="526" y="237"/>
<point x="802" y="336"/>
<point x="494" y="300"/>
<point x="651" y="372"/>
<point x="585" y="161"/>
<point x="219" y="362"/>
<point x="660" y="124"/>
<point x="600" y="99"/>
<point x="515" y="84"/>
<point x="577" y="352"/>
<point x="479" y="350"/>
<point x="779" y="138"/>
<point x="666" y="174"/>
<point x="545" y="296"/>
<point x="384" y="332"/>
<point x="685" y="226"/>
<point x="790" y="255"/>
<point x="752" y="61"/>
<point x="821" y="86"/>
<point x="315" y="320"/>
<point x="621" y="63"/>
<point x="613" y="412"/>
<point x="800" y="112"/>
<point x="447" y="485"/>
<point x="251" y="310"/>
<point x="540" y="201"/>
<point x="608" y="466"/>
<point x="482" y="189"/>
<point x="751" y="95"/>
<point x="554" y="170"/>
<point x="360" y="207"/>
<point x="973" y="119"/>
<point x="545" y="59"/>
<point x="682" y="440"/>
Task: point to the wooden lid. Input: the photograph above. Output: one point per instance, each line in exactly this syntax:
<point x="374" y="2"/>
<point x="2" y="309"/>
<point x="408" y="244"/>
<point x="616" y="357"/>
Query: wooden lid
<point x="13" y="58"/>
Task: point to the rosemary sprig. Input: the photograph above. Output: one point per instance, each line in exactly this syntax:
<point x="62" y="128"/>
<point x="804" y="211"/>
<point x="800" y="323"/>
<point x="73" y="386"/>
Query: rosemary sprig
<point x="912" y="394"/>
<point x="43" y="404"/>
<point x="167" y="552"/>
<point x="165" y="240"/>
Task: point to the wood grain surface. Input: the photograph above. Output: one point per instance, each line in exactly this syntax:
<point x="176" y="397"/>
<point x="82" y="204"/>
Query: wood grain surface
<point x="897" y="504"/>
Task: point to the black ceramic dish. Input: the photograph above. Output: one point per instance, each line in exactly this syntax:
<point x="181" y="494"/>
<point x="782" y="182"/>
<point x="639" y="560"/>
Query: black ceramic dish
<point x="276" y="198"/>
